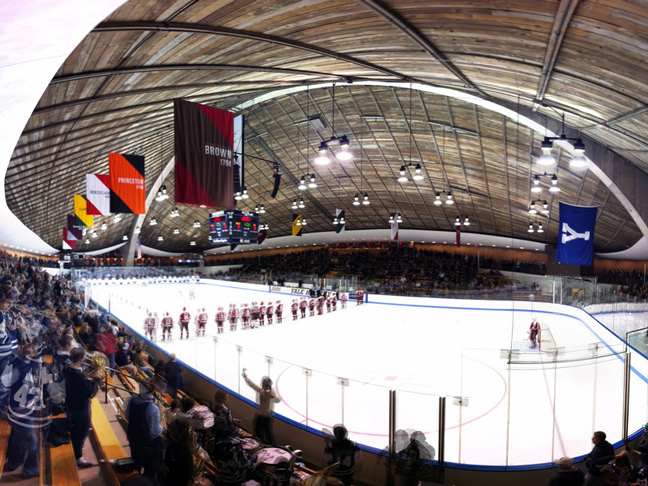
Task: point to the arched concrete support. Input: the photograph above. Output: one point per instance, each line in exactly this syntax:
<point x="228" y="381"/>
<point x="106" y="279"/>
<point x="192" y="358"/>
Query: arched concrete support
<point x="128" y="250"/>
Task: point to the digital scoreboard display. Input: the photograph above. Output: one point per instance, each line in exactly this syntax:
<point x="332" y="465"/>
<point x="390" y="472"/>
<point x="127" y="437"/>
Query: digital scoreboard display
<point x="233" y="227"/>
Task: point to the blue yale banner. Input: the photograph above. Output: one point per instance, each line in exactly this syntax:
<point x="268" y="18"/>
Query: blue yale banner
<point x="576" y="237"/>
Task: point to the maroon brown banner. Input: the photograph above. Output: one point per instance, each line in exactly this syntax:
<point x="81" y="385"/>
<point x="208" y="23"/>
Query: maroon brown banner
<point x="204" y="156"/>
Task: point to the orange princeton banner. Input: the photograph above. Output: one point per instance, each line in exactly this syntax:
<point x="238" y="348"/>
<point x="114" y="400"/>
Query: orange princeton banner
<point x="127" y="184"/>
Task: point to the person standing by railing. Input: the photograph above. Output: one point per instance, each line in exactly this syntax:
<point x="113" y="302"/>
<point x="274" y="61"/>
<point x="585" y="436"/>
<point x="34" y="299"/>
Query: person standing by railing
<point x="266" y="398"/>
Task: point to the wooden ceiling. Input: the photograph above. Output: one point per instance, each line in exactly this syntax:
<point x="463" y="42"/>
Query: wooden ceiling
<point x="585" y="61"/>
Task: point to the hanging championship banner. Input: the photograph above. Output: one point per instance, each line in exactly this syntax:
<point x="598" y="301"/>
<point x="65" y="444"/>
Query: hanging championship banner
<point x="576" y="237"/>
<point x="98" y="194"/>
<point x="394" y="226"/>
<point x="76" y="231"/>
<point x="297" y="225"/>
<point x="127" y="184"/>
<point x="67" y="243"/>
<point x="204" y="156"/>
<point x="81" y="218"/>
<point x="341" y="222"/>
<point x="261" y="237"/>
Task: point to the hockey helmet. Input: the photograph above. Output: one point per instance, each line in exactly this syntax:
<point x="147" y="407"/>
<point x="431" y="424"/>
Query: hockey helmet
<point x="262" y="303"/>
<point x="166" y="314"/>
<point x="203" y="309"/>
<point x="278" y="302"/>
<point x="184" y="308"/>
<point x="220" y="308"/>
<point x="150" y="314"/>
<point x="245" y="305"/>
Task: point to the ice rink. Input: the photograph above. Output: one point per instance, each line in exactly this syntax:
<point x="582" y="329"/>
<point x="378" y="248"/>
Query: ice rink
<point x="339" y="367"/>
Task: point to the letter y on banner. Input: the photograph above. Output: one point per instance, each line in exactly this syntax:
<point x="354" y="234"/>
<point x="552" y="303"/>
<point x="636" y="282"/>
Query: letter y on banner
<point x="576" y="237"/>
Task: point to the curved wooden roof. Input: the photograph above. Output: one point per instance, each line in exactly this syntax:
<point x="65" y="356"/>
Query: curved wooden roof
<point x="585" y="61"/>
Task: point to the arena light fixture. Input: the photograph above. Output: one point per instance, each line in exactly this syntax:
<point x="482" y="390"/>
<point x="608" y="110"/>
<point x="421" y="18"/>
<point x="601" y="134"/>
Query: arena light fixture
<point x="160" y="238"/>
<point x="193" y="243"/>
<point x="244" y="194"/>
<point x="118" y="218"/>
<point x="540" y="228"/>
<point x="87" y="241"/>
<point x="153" y="222"/>
<point x="176" y="231"/>
<point x="104" y="226"/>
<point x="365" y="199"/>
<point x="466" y="221"/>
<point x="196" y="224"/>
<point x="554" y="184"/>
<point x="301" y="204"/>
<point x="94" y="234"/>
<point x="356" y="200"/>
<point x="536" y="184"/>
<point x="437" y="199"/>
<point x="125" y="238"/>
<point x="304" y="223"/>
<point x="174" y="213"/>
<point x="312" y="184"/>
<point x="294" y="204"/>
<point x="449" y="198"/>
<point x="531" y="229"/>
<point x="137" y="230"/>
<point x="262" y="209"/>
<point x="302" y="184"/>
<point x="238" y="196"/>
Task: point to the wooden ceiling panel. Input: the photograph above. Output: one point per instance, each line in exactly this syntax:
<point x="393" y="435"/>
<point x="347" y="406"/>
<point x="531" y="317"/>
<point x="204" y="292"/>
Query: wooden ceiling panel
<point x="494" y="49"/>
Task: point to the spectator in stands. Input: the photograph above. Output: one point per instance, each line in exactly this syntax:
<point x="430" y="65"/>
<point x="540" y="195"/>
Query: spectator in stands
<point x="144" y="431"/>
<point x="178" y="457"/>
<point x="139" y="359"/>
<point x="106" y="343"/>
<point x="78" y="392"/>
<point x="123" y="360"/>
<point x="223" y="420"/>
<point x="601" y="454"/>
<point x="233" y="464"/>
<point x="85" y="334"/>
<point x="266" y="399"/>
<point x="29" y="413"/>
<point x="343" y="451"/>
<point x="8" y="345"/>
<point x="568" y="474"/>
<point x="173" y="376"/>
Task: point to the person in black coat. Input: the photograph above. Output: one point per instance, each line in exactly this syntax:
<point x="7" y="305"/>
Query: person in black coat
<point x="78" y="392"/>
<point x="172" y="373"/>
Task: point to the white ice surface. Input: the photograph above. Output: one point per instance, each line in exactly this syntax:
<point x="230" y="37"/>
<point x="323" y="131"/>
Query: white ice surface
<point x="514" y="414"/>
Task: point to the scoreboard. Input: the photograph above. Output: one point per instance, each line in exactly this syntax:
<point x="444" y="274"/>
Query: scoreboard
<point x="233" y="227"/>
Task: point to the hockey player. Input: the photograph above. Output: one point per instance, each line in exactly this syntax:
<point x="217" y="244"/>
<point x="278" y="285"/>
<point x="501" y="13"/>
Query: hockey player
<point x="320" y="305"/>
<point x="312" y="302"/>
<point x="533" y="332"/>
<point x="334" y="299"/>
<point x="269" y="312"/>
<point x="167" y="324"/>
<point x="359" y="296"/>
<point x="184" y="319"/>
<point x="231" y="316"/>
<point x="246" y="314"/>
<point x="279" y="311"/>
<point x="149" y="327"/>
<point x="344" y="296"/>
<point x="302" y="306"/>
<point x="201" y="320"/>
<point x="254" y="322"/>
<point x="220" y="319"/>
<point x="262" y="314"/>
<point x="311" y="306"/>
<point x="294" y="307"/>
<point x="328" y="303"/>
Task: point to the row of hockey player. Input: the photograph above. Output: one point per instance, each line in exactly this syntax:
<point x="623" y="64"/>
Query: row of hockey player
<point x="251" y="315"/>
<point x="152" y="321"/>
<point x="318" y="304"/>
